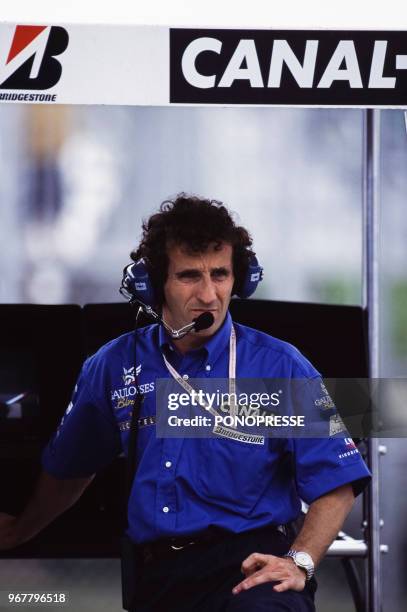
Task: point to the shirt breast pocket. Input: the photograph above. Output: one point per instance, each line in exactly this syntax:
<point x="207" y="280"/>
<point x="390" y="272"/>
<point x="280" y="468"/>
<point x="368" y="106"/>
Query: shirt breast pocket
<point x="232" y="473"/>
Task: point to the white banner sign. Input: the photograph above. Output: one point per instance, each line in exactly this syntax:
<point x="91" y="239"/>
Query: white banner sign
<point x="158" y="66"/>
<point x="83" y="64"/>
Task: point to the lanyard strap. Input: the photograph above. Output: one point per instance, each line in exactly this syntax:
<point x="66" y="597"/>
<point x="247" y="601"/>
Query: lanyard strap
<point x="232" y="375"/>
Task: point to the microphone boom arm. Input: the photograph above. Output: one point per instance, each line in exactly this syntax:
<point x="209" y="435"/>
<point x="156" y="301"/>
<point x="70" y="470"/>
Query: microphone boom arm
<point x="176" y="334"/>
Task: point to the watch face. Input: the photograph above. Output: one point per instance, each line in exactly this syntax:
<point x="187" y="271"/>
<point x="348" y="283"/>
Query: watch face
<point x="303" y="558"/>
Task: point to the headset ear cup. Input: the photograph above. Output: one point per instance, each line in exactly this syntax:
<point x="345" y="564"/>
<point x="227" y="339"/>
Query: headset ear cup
<point x="137" y="285"/>
<point x="253" y="276"/>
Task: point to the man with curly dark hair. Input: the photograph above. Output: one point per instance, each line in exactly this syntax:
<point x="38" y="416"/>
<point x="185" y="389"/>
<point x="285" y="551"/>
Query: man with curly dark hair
<point x="196" y="224"/>
<point x="185" y="230"/>
<point x="201" y="511"/>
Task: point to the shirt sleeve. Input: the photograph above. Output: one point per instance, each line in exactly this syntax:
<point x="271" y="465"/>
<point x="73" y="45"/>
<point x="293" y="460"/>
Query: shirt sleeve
<point x="324" y="464"/>
<point x="87" y="438"/>
<point x="330" y="460"/>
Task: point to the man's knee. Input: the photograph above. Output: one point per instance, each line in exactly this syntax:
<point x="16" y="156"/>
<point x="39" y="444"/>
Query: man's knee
<point x="263" y="598"/>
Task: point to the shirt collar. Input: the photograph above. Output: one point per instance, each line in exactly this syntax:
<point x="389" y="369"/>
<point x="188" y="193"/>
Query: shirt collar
<point x="216" y="344"/>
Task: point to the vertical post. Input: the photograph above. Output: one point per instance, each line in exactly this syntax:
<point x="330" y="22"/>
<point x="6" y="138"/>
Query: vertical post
<point x="370" y="272"/>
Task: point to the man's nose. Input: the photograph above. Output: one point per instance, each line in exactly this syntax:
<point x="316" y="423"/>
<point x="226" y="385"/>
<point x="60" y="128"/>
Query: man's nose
<point x="206" y="291"/>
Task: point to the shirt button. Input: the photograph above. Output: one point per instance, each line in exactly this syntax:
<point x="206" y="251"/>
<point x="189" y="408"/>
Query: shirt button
<point x="168" y="464"/>
<point x="208" y="368"/>
<point x="185" y="376"/>
<point x="166" y="509"/>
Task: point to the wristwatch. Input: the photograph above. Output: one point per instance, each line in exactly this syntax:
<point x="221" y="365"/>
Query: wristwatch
<point x="302" y="560"/>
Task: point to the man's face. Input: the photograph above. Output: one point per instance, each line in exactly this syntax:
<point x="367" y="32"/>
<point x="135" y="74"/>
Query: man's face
<point x="197" y="283"/>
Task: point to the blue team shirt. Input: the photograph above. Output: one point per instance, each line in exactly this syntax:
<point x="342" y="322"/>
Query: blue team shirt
<point x="183" y="486"/>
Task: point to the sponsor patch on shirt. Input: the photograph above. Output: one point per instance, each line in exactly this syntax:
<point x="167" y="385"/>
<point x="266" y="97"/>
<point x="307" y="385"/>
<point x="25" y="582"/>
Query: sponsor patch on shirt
<point x="336" y="425"/>
<point x="128" y="374"/>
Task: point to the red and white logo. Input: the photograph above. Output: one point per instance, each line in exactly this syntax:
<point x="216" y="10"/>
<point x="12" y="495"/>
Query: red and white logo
<point x="30" y="61"/>
<point x="349" y="443"/>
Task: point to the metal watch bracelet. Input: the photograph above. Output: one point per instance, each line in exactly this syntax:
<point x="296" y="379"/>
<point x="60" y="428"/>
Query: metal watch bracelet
<point x="302" y="560"/>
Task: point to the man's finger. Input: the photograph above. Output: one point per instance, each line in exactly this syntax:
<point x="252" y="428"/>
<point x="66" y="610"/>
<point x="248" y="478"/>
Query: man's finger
<point x="255" y="567"/>
<point x="284" y="585"/>
<point x="289" y="583"/>
<point x="263" y="575"/>
<point x="256" y="560"/>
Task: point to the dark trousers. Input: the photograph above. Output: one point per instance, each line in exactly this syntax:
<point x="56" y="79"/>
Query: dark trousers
<point x="200" y="578"/>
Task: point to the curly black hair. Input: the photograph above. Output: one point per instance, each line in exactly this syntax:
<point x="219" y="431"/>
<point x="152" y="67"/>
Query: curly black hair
<point x="195" y="223"/>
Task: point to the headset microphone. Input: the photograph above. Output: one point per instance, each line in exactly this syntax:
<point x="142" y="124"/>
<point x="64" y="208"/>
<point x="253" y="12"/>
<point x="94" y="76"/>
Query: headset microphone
<point x="204" y="321"/>
<point x="137" y="288"/>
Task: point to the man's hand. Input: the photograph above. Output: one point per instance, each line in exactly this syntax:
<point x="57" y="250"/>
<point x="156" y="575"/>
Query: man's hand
<point x="322" y="523"/>
<point x="8" y="531"/>
<point x="51" y="497"/>
<point x="259" y="568"/>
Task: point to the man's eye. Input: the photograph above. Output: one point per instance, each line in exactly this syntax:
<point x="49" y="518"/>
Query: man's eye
<point x="188" y="276"/>
<point x="220" y="274"/>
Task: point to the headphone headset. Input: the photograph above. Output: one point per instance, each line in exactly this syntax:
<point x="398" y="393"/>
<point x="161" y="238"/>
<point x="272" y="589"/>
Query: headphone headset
<point x="137" y="286"/>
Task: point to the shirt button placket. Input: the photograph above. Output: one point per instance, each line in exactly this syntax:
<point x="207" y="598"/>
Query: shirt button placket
<point x="166" y="499"/>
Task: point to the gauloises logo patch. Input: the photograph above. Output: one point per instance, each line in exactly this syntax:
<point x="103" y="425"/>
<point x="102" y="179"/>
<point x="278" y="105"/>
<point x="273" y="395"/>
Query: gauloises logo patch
<point x="31" y="62"/>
